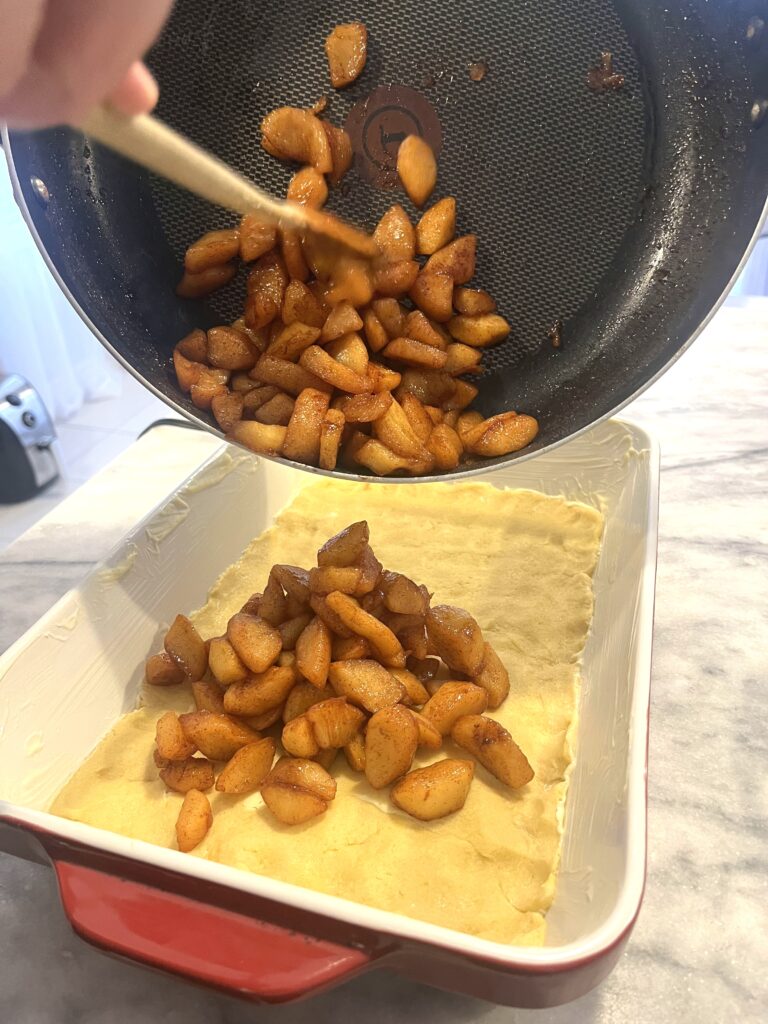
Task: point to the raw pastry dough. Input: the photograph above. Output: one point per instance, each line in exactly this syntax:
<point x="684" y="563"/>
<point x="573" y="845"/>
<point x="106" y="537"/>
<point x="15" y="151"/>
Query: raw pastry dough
<point x="521" y="563"/>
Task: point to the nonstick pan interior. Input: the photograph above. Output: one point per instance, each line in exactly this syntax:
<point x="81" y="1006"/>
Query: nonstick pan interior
<point x="512" y="146"/>
<point x="621" y="213"/>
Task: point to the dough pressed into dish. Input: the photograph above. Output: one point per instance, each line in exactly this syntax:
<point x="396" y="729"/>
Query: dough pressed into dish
<point x="521" y="563"/>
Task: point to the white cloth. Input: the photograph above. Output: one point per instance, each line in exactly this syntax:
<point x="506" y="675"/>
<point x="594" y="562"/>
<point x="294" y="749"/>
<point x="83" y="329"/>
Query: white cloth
<point x="41" y="336"/>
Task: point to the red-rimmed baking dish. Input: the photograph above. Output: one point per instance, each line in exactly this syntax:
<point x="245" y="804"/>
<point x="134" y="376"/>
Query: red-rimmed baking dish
<point x="72" y="675"/>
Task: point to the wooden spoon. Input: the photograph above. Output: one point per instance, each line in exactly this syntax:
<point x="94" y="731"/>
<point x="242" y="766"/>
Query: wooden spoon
<point x="154" y="145"/>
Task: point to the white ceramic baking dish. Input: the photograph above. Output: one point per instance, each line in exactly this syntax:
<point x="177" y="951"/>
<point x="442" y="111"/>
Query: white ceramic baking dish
<point x="72" y="675"/>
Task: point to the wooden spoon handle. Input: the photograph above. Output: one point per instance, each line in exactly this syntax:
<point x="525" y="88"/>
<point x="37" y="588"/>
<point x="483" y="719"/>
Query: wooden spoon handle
<point x="160" y="149"/>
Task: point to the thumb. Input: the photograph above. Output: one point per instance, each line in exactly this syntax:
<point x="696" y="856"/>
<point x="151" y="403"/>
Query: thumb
<point x="137" y="93"/>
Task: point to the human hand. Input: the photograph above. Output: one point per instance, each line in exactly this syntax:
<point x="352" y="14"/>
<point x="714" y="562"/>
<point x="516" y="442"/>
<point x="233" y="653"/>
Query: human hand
<point x="59" y="58"/>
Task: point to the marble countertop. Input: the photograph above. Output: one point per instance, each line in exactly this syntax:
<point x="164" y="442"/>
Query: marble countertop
<point x="699" y="950"/>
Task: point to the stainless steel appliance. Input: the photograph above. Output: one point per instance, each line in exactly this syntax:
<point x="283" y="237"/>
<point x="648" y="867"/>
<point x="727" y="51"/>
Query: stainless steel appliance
<point x="27" y="461"/>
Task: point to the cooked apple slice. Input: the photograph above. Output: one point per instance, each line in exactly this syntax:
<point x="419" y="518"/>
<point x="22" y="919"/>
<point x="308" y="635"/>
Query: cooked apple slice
<point x="456" y="638"/>
<point x="194" y="820"/>
<point x="291" y="805"/>
<point x="346" y="48"/>
<point x="162" y="670"/>
<point x="299" y="771"/>
<point x="334" y="722"/>
<point x="248" y="768"/>
<point x="170" y="740"/>
<point x="194" y="773"/>
<point x="366" y="683"/>
<point x="255" y="641"/>
<point x="185" y="646"/>
<point x="298" y="737"/>
<point x="494" y="748"/>
<point x="493" y="677"/>
<point x="435" y="791"/>
<point x="216" y="736"/>
<point x="451" y="702"/>
<point x="391" y="739"/>
<point x="417" y="168"/>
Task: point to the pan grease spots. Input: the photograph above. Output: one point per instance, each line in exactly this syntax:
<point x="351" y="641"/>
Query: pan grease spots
<point x="603" y="77"/>
<point x="478" y="71"/>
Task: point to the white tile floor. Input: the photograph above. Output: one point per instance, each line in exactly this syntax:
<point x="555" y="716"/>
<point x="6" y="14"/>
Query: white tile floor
<point x="90" y="439"/>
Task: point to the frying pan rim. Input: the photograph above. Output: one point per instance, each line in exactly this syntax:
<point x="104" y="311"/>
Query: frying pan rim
<point x="487" y="466"/>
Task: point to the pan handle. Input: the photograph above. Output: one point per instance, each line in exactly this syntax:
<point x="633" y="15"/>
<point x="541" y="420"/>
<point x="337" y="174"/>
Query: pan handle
<point x="201" y="942"/>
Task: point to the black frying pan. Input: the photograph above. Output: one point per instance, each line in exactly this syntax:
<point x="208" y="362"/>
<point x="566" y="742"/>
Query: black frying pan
<point x="624" y="214"/>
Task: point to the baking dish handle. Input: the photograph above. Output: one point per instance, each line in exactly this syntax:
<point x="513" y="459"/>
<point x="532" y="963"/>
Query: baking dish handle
<point x="205" y="943"/>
